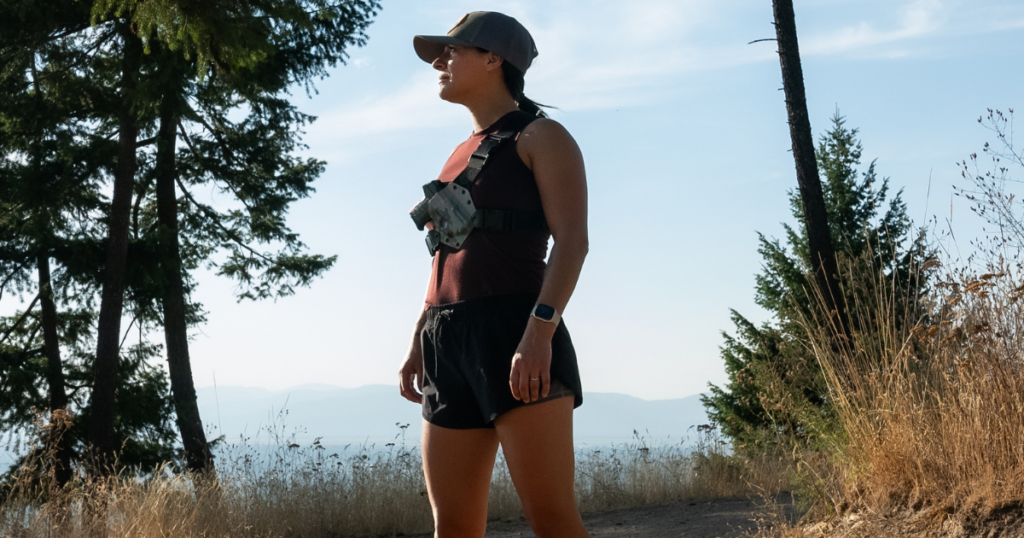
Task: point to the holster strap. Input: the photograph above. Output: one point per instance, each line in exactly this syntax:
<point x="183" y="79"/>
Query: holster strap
<point x="479" y="157"/>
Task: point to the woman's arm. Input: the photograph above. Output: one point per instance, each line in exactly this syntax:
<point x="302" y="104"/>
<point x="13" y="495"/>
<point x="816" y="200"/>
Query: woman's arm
<point x="410" y="375"/>
<point x="550" y="151"/>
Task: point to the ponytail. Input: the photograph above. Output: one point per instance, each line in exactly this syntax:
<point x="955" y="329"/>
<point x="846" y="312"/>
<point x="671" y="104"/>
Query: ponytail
<point x="515" y="82"/>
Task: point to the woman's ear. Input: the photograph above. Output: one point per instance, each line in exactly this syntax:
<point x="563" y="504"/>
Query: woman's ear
<point x="494" y="62"/>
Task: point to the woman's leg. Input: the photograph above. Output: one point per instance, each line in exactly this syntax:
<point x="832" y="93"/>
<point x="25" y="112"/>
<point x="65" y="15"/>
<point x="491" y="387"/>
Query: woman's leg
<point x="537" y="443"/>
<point x="458" y="466"/>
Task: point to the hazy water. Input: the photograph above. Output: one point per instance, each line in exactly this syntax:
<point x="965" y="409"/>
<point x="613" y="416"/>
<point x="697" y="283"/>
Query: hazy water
<point x="263" y="455"/>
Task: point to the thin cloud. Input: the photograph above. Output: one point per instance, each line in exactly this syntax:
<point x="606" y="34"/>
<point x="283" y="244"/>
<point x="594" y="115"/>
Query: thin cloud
<point x="617" y="54"/>
<point x="613" y="54"/>
<point x="413" y="106"/>
<point x="920" y="18"/>
<point x="579" y="68"/>
<point x="1008" y="25"/>
<point x="916" y="21"/>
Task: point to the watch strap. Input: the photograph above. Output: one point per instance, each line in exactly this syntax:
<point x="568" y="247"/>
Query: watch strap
<point x="546" y="313"/>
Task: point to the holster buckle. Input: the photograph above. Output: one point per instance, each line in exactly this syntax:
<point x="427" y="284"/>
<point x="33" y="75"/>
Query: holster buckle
<point x="433" y="241"/>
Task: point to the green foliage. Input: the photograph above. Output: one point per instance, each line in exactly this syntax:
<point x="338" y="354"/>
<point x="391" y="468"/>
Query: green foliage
<point x="252" y="159"/>
<point x="776" y="392"/>
<point x="144" y="429"/>
<point x="303" y="36"/>
<point x="56" y="161"/>
<point x="224" y="70"/>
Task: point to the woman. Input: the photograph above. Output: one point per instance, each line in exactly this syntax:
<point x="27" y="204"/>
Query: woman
<point x="490" y="357"/>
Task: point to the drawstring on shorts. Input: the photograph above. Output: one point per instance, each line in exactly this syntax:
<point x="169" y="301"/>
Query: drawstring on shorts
<point x="472" y="344"/>
<point x="435" y="334"/>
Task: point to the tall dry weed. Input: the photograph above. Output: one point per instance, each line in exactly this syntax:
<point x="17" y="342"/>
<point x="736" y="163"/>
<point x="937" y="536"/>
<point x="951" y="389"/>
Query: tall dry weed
<point x="932" y="408"/>
<point x="312" y="492"/>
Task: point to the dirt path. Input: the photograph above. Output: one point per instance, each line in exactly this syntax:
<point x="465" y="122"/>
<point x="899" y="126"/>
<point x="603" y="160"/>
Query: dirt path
<point x="724" y="518"/>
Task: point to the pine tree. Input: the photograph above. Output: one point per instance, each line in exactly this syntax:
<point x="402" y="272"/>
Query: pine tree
<point x="146" y="98"/>
<point x="253" y="159"/>
<point x="40" y="185"/>
<point x="52" y="175"/>
<point x="230" y="56"/>
<point x="108" y="332"/>
<point x="776" y="392"/>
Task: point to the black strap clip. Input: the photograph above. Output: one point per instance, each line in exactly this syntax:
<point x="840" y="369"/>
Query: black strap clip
<point x="480" y="155"/>
<point x="433" y="241"/>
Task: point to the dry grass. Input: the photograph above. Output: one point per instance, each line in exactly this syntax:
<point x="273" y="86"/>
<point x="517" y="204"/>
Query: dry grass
<point x="308" y="492"/>
<point x="933" y="411"/>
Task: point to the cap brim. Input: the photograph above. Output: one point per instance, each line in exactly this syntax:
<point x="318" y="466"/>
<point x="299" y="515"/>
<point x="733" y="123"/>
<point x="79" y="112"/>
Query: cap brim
<point x="431" y="47"/>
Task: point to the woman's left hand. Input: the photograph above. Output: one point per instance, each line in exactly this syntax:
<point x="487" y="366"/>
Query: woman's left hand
<point x="530" y="379"/>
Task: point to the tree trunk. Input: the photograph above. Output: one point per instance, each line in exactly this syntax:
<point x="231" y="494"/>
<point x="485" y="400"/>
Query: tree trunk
<point x="101" y="421"/>
<point x="59" y="435"/>
<point x="197" y="451"/>
<point x="59" y="441"/>
<point x="819" y="238"/>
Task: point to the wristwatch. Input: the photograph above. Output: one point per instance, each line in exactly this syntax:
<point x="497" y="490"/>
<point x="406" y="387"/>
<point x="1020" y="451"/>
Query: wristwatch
<point x="546" y="313"/>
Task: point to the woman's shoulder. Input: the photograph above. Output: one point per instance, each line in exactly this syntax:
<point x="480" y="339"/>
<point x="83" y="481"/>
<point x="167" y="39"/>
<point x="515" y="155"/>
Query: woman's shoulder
<point x="542" y="127"/>
<point x="544" y="136"/>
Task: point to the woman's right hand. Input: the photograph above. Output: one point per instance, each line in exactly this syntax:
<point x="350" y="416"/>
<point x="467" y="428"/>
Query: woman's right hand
<point x="412" y="369"/>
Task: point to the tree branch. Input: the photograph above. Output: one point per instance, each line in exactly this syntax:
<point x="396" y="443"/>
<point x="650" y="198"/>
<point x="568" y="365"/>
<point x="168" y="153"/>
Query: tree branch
<point x="228" y="154"/>
<point x="28" y="43"/>
<point x="128" y="330"/>
<point x="20" y="319"/>
<point x="11" y="276"/>
<point x="305" y="11"/>
<point x="209" y="212"/>
<point x="216" y="134"/>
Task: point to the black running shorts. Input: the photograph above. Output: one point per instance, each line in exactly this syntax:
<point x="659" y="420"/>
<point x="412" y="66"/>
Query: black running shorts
<point x="467" y="358"/>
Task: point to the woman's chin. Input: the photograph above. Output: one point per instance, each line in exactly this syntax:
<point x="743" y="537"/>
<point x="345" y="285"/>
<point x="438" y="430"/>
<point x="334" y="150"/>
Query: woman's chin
<point x="446" y="95"/>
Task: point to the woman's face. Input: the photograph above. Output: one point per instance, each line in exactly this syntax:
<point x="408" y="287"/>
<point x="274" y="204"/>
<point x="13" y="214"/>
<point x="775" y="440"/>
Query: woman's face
<point x="462" y="72"/>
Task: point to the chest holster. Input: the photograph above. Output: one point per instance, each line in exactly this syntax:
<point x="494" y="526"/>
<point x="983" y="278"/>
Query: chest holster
<point x="449" y="205"/>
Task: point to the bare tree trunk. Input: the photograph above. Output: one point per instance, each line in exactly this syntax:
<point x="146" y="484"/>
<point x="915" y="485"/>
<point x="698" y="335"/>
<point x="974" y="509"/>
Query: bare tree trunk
<point x="197" y="450"/>
<point x="819" y="238"/>
<point x="101" y="421"/>
<point x="59" y="436"/>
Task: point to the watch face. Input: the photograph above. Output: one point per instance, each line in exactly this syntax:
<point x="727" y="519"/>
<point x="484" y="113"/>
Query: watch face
<point x="544" y="312"/>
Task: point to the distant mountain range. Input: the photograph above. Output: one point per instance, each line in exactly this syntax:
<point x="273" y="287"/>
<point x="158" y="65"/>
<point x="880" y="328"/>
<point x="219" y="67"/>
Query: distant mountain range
<point x="372" y="414"/>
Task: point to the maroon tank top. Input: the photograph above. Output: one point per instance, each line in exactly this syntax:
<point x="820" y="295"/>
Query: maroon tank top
<point x="492" y="262"/>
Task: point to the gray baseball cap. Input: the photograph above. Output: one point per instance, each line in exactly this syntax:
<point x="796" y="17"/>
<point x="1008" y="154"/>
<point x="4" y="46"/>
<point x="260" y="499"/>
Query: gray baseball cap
<point x="489" y="30"/>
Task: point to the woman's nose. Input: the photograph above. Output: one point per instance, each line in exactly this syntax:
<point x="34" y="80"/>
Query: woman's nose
<point x="441" y="62"/>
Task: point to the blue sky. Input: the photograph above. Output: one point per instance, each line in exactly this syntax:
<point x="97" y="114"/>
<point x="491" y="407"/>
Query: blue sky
<point x="683" y="129"/>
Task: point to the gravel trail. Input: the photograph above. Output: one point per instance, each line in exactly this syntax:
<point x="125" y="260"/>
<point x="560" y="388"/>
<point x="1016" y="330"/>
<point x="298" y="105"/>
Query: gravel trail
<point x="717" y="518"/>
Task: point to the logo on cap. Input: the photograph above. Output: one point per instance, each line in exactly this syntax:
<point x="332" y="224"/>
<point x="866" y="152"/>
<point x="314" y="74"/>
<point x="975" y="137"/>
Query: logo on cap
<point x="462" y="20"/>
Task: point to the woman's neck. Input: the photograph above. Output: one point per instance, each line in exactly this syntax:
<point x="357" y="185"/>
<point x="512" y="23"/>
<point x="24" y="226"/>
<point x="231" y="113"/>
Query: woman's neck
<point x="488" y="111"/>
